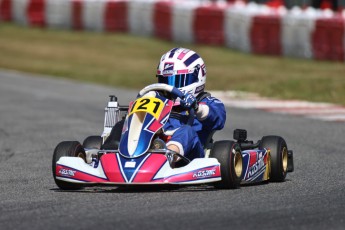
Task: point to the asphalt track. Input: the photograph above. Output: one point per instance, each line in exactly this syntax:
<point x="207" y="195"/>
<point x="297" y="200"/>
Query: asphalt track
<point x="37" y="113"/>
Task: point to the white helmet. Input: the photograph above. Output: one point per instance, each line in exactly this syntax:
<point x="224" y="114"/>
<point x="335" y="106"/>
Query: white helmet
<point x="184" y="69"/>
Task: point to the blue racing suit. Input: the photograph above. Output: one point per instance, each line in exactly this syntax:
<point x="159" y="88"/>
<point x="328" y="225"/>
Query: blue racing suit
<point x="192" y="138"/>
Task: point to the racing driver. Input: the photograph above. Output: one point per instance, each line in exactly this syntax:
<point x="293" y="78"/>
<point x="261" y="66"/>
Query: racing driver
<point x="186" y="70"/>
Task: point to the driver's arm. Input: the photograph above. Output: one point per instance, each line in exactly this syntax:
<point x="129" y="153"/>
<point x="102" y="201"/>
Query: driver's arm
<point x="202" y="112"/>
<point x="211" y="113"/>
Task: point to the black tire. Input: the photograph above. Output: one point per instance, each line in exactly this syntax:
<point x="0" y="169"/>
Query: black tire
<point x="112" y="142"/>
<point x="279" y="156"/>
<point x="229" y="155"/>
<point x="93" y="142"/>
<point x="69" y="149"/>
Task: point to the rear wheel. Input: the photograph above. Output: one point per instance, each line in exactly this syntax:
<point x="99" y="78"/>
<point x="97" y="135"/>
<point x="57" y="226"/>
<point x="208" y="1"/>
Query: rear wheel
<point x="93" y="142"/>
<point x="278" y="156"/>
<point x="67" y="149"/>
<point x="229" y="155"/>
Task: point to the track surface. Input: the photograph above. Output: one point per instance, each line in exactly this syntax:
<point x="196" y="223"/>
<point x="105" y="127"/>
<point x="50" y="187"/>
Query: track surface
<point x="37" y="113"/>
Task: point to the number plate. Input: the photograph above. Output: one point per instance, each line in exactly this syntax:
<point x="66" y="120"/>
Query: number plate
<point x="151" y="105"/>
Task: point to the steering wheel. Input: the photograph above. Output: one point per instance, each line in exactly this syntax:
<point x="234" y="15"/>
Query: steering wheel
<point x="162" y="87"/>
<point x="175" y="92"/>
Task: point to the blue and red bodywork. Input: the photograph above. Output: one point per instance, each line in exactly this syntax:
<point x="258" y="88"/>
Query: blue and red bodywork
<point x="150" y="126"/>
<point x="255" y="165"/>
<point x="135" y="162"/>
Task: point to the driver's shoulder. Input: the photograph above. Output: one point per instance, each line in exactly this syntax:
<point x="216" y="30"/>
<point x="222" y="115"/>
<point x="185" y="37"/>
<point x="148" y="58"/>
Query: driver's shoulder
<point x="206" y="97"/>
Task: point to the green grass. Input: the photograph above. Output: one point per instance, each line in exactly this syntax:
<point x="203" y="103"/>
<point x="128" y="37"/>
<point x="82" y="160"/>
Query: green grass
<point x="126" y="61"/>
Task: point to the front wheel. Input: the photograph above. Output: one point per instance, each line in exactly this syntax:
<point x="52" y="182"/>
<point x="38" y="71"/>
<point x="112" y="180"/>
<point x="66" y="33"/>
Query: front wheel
<point x="279" y="156"/>
<point x="229" y="155"/>
<point x="67" y="149"/>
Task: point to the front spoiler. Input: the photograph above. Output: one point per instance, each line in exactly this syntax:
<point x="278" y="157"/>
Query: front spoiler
<point x="113" y="169"/>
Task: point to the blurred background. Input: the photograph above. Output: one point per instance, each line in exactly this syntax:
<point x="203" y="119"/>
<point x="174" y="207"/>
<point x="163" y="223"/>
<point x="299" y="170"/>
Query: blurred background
<point x="283" y="49"/>
<point x="318" y="4"/>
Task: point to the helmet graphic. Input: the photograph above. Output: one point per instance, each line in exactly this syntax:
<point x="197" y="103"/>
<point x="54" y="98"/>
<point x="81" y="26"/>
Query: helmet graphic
<point x="184" y="69"/>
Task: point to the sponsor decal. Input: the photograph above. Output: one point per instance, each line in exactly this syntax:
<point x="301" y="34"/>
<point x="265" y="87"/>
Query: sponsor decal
<point x="204" y="173"/>
<point x="67" y="172"/>
<point x="168" y="68"/>
<point x="130" y="164"/>
<point x="256" y="166"/>
<point x="168" y="72"/>
<point x="199" y="89"/>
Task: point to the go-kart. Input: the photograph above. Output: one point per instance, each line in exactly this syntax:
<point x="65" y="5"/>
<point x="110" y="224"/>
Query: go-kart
<point x="139" y="156"/>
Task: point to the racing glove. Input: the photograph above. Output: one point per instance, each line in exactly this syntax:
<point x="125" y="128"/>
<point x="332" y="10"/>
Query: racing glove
<point x="189" y="101"/>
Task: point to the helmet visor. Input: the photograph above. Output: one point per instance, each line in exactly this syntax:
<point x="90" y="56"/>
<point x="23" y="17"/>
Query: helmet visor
<point x="179" y="80"/>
